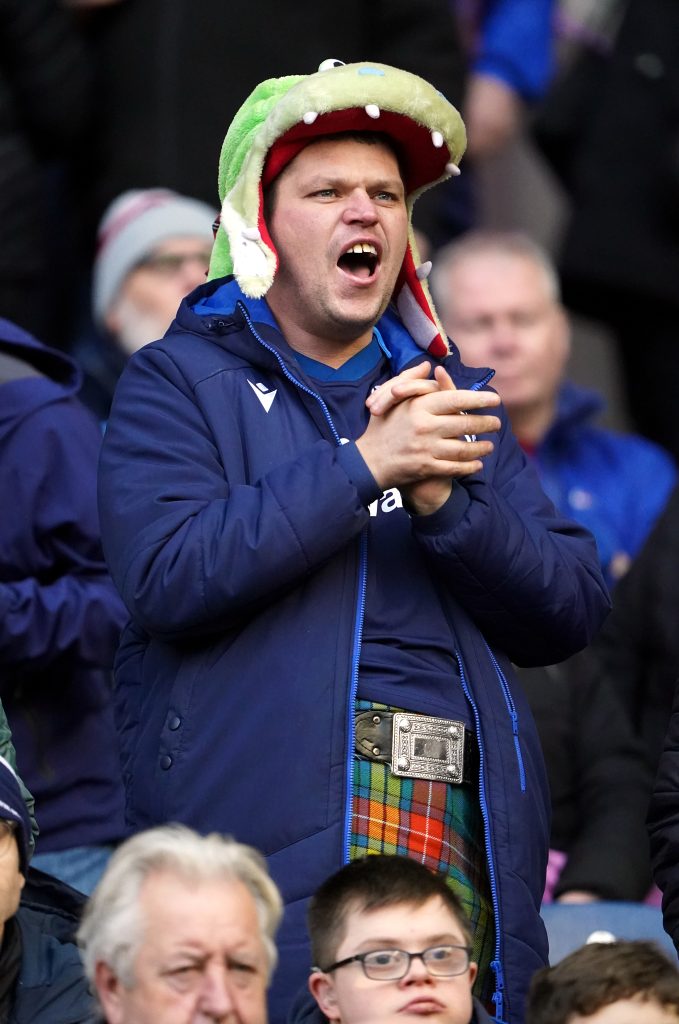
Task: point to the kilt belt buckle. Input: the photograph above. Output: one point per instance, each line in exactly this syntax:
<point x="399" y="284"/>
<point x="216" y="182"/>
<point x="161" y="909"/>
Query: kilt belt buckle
<point x="418" y="746"/>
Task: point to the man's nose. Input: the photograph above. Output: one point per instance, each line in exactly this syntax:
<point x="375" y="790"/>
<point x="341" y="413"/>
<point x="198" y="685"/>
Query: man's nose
<point x="417" y="972"/>
<point x="216" y="997"/>
<point x="360" y="207"/>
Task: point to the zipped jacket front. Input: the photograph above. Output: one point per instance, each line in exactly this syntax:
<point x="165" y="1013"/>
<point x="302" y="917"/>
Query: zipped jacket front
<point x="234" y="524"/>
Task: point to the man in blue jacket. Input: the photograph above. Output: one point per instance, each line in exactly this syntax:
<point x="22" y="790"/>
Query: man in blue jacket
<point x="330" y="544"/>
<point x="60" y="615"/>
<point x="498" y="295"/>
<point x="41" y="976"/>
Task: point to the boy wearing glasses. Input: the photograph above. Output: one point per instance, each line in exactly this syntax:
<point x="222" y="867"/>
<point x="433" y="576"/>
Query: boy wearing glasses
<point x="390" y="940"/>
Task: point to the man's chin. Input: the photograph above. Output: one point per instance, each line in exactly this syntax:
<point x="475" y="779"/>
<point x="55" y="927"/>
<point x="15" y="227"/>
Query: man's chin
<point x="350" y="321"/>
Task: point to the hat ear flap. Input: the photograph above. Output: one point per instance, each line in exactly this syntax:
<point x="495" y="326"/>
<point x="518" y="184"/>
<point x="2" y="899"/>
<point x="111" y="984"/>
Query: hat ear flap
<point x="243" y="250"/>
<point x="414" y="303"/>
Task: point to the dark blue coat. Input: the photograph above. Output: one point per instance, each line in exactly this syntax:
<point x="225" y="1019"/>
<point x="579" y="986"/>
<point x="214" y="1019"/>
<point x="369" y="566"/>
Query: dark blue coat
<point x="51" y="987"/>
<point x="614" y="484"/>
<point x="60" y="616"/>
<point x="237" y="538"/>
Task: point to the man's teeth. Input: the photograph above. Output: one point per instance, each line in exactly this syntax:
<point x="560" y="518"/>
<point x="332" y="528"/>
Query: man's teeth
<point x="362" y="247"/>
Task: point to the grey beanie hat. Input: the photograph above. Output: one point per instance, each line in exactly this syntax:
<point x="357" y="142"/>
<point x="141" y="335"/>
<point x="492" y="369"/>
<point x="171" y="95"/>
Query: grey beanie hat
<point x="132" y="226"/>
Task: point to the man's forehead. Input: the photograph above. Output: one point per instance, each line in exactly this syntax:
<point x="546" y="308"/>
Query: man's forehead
<point x="321" y="155"/>
<point x="365" y="924"/>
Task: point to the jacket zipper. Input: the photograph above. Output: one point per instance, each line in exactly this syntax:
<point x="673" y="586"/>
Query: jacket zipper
<point x="353" y="690"/>
<point x="360" y="603"/>
<point x="496" y="964"/>
<point x="286" y="372"/>
<point x="513" y="714"/>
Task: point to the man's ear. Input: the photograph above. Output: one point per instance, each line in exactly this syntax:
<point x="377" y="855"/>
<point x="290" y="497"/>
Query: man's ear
<point x="322" y="988"/>
<point x="108" y="989"/>
<point x="473" y="971"/>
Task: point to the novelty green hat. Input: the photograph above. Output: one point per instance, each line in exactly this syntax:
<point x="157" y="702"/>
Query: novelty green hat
<point x="282" y="115"/>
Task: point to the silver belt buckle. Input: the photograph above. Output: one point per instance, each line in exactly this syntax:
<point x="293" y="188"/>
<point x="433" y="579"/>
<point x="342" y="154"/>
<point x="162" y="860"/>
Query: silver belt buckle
<point x="427" y="748"/>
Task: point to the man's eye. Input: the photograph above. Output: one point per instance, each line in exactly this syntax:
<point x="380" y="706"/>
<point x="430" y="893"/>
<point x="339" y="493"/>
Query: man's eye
<point x="383" y="958"/>
<point x="440" y="953"/>
<point x="387" y="197"/>
<point x="525" y="319"/>
<point x="239" y="966"/>
<point x="325" y="193"/>
<point x="183" y="977"/>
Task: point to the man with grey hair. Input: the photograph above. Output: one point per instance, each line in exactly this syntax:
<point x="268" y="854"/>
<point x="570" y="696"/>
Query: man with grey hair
<point x="153" y="248"/>
<point x="498" y="296"/>
<point x="180" y="930"/>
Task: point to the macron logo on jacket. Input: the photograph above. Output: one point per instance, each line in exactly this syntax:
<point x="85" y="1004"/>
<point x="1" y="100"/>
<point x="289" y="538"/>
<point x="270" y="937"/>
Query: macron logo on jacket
<point x="264" y="396"/>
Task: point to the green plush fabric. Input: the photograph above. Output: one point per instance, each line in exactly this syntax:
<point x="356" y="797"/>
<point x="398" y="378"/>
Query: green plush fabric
<point x="278" y="106"/>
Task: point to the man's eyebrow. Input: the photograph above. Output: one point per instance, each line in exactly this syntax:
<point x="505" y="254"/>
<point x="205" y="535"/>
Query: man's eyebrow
<point x="318" y="181"/>
<point x="442" y="939"/>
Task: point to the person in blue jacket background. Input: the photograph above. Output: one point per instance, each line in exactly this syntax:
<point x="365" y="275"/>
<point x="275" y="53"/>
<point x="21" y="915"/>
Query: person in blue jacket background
<point x="498" y="293"/>
<point x="329" y="542"/>
<point x="60" y="615"/>
<point x="42" y="980"/>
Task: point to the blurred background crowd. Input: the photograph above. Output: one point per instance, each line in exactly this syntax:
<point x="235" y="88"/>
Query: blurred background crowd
<point x="556" y="261"/>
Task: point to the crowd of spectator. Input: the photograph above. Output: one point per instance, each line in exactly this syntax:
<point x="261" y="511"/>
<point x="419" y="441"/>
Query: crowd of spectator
<point x="194" y="630"/>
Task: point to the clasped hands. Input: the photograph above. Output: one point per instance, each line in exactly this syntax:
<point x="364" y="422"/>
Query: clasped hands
<point x="416" y="438"/>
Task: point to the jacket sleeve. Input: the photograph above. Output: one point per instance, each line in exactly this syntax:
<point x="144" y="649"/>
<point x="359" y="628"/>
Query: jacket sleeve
<point x="192" y="547"/>
<point x="663" y="826"/>
<point x="516" y="45"/>
<point x="58" y="600"/>
<point x="637" y="649"/>
<point x="609" y="855"/>
<point x="529" y="578"/>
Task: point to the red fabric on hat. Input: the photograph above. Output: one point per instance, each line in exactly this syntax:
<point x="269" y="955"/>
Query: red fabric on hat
<point x="423" y="162"/>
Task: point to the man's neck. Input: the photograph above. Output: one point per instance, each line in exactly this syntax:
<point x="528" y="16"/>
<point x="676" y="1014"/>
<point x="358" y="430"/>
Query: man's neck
<point x="530" y="424"/>
<point x="333" y="352"/>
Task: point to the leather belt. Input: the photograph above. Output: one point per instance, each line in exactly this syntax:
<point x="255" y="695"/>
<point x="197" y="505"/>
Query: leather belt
<point x="417" y="746"/>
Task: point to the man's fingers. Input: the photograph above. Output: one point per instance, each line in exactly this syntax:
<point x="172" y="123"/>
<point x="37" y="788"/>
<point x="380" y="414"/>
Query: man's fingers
<point x="443" y="379"/>
<point x="450" y="451"/>
<point x="450" y="403"/>
<point x="412" y="389"/>
<point x="419" y="372"/>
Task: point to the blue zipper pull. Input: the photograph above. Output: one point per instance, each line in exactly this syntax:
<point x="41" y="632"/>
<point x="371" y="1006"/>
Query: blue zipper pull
<point x="498" y="995"/>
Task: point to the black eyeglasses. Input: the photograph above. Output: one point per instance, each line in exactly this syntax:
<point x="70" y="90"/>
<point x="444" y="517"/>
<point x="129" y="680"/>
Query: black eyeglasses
<point x="392" y="964"/>
<point x="167" y="264"/>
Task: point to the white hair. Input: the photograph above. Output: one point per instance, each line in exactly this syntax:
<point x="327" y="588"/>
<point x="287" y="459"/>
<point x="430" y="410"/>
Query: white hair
<point x="482" y="242"/>
<point x="112" y="924"/>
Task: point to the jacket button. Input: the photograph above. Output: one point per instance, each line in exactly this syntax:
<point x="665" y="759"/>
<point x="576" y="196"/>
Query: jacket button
<point x="174" y="723"/>
<point x="165" y="762"/>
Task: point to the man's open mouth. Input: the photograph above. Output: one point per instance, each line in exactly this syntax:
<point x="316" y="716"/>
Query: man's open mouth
<point x="360" y="260"/>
